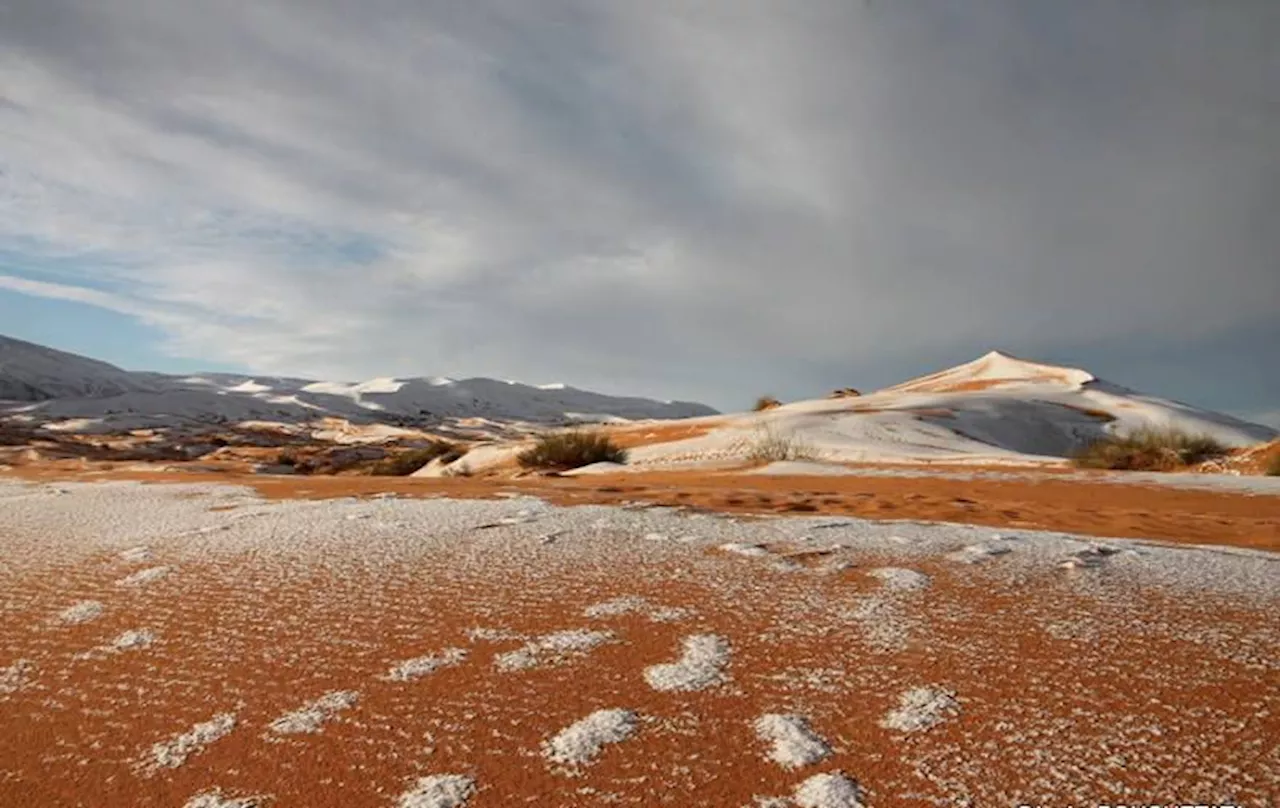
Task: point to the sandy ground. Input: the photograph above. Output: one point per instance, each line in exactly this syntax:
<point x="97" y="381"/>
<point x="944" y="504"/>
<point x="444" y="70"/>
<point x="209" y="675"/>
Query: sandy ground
<point x="1093" y="504"/>
<point x="158" y="642"/>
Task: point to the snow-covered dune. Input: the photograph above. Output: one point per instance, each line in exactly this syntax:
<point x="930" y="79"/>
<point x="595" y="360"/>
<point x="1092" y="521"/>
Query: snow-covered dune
<point x="996" y="409"/>
<point x="43" y="385"/>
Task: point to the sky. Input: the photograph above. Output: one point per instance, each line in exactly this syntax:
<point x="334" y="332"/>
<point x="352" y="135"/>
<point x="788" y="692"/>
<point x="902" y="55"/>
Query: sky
<point x="701" y="201"/>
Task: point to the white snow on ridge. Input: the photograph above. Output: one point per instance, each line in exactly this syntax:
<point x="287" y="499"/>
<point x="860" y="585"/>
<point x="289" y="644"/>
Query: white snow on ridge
<point x="996" y="410"/>
<point x="308" y="719"/>
<point x="173" y="753"/>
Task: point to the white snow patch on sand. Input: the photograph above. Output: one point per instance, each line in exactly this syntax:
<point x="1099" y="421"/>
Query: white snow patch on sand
<point x="214" y="799"/>
<point x="977" y="553"/>
<point x="423" y="665"/>
<point x="146" y="576"/>
<point x="173" y="753"/>
<point x="310" y="717"/>
<point x="900" y="579"/>
<point x="618" y="606"/>
<point x="633" y="604"/>
<point x="829" y="790"/>
<point x="439" y="791"/>
<point x="132" y="640"/>
<point x="738" y="548"/>
<point x="921" y="708"/>
<point x="581" y="742"/>
<point x="482" y="634"/>
<point x="552" y="648"/>
<point x="794" y="743"/>
<point x="137" y="555"/>
<point x="16" y="676"/>
<point x="82" y="612"/>
<point x="700" y="666"/>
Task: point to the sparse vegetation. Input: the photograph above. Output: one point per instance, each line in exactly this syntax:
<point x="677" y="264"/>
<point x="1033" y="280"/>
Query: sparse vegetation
<point x="766" y="403"/>
<point x="406" y="463"/>
<point x="1273" y="467"/>
<point x="770" y="445"/>
<point x="1149" y="449"/>
<point x="571" y="449"/>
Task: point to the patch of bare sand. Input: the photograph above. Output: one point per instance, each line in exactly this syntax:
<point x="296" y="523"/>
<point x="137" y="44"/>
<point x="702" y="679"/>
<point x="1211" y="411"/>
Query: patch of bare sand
<point x="1133" y="695"/>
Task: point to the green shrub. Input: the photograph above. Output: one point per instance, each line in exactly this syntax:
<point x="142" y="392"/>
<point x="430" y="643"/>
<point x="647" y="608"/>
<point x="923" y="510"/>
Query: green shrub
<point x="766" y="403"/>
<point x="1148" y="449"/>
<point x="571" y="449"/>
<point x="406" y="463"/>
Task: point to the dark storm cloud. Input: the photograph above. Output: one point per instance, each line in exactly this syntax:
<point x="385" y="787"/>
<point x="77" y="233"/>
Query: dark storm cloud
<point x="664" y="197"/>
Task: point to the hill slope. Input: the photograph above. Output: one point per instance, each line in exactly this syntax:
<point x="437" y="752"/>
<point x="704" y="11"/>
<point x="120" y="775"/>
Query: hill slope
<point x="995" y="409"/>
<point x="44" y="385"/>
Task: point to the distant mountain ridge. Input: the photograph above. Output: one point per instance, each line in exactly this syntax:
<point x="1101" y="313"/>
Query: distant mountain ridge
<point x="44" y="384"/>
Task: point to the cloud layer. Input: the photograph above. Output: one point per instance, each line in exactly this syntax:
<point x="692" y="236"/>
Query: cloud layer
<point x="669" y="198"/>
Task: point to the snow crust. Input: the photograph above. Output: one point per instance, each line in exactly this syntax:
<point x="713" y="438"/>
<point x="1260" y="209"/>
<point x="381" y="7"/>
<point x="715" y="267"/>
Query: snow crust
<point x="581" y="742"/>
<point x="701" y="665"/>
<point x="793" y="743"/>
<point x="439" y="791"/>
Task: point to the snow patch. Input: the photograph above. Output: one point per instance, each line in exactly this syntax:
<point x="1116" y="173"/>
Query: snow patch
<point x="700" y="666"/>
<point x="921" y="708"/>
<point x="439" y="791"/>
<point x="581" y="742"/>
<point x="794" y="743"/>
<point x="142" y="577"/>
<point x="738" y="548"/>
<point x="214" y="799"/>
<point x="131" y="640"/>
<point x="829" y="790"/>
<point x="900" y="579"/>
<point x="173" y="753"/>
<point x="552" y="649"/>
<point x="82" y="612"/>
<point x="310" y="717"/>
<point x="137" y="555"/>
<point x="423" y="665"/>
<point x="16" y="676"/>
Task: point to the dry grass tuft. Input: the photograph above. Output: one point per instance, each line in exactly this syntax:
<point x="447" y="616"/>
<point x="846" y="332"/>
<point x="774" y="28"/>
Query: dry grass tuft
<point x="571" y="449"/>
<point x="406" y="463"/>
<point x="770" y="445"/>
<point x="766" y="403"/>
<point x="1149" y="449"/>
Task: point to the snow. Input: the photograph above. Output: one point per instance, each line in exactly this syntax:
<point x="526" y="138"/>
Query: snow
<point x="832" y="790"/>
<point x="146" y="576"/>
<point x="552" y="649"/>
<point x="173" y="753"/>
<point x="581" y="742"/>
<point x="700" y="666"/>
<point x="82" y="612"/>
<point x="899" y="579"/>
<point x="423" y="665"/>
<point x="920" y="709"/>
<point x="132" y="640"/>
<point x="214" y="799"/>
<point x="16" y="676"/>
<point x="439" y="791"/>
<point x="309" y="718"/>
<point x="996" y="410"/>
<point x="57" y="387"/>
<point x="793" y="743"/>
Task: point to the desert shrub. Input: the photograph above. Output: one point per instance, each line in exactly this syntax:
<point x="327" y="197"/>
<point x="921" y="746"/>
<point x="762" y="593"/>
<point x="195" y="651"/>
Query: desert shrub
<point x="1148" y="449"/>
<point x="768" y="444"/>
<point x="766" y="403"/>
<point x="287" y="457"/>
<point x="1273" y="467"/>
<point x="406" y="463"/>
<point x="571" y="449"/>
<point x="459" y="470"/>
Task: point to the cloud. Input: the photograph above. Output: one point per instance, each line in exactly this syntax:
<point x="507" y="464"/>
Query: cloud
<point x="673" y="198"/>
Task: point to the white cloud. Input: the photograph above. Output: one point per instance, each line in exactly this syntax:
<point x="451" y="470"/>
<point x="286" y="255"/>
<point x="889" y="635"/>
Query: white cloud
<point x="659" y="197"/>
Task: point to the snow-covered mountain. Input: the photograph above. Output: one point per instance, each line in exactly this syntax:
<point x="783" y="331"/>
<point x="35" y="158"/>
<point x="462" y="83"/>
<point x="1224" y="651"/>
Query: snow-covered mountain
<point x="995" y="409"/>
<point x="43" y="385"/>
